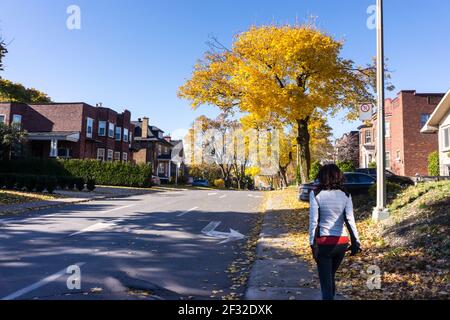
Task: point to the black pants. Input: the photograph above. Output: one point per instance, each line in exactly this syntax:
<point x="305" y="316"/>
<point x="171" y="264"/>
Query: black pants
<point x="328" y="262"/>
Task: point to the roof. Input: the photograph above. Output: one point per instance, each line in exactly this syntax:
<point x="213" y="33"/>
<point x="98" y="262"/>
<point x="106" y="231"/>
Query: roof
<point x="54" y="135"/>
<point x="439" y="113"/>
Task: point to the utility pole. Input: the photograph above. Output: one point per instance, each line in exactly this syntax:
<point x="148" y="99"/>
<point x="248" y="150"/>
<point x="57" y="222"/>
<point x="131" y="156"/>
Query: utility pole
<point x="380" y="212"/>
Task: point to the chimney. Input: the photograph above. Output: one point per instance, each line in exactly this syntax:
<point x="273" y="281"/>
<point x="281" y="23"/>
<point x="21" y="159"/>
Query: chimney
<point x="100" y="105"/>
<point x="145" y="124"/>
<point x="168" y="138"/>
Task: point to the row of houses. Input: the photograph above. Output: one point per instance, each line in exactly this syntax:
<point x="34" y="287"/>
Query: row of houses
<point x="82" y="131"/>
<point x="417" y="124"/>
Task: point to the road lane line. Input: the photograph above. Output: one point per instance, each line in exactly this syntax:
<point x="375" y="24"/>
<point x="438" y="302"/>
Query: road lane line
<point x="39" y="284"/>
<point x="120" y="208"/>
<point x="186" y="212"/>
<point x="212" y="194"/>
<point x="223" y="197"/>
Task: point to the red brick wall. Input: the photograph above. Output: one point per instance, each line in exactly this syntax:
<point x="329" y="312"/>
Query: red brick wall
<point x="417" y="146"/>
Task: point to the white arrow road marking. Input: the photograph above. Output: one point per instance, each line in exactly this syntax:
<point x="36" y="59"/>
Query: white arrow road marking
<point x="102" y="225"/>
<point x="210" y="231"/>
<point x="39" y="284"/>
<point x="212" y="194"/>
<point x="186" y="212"/>
<point x="223" y="197"/>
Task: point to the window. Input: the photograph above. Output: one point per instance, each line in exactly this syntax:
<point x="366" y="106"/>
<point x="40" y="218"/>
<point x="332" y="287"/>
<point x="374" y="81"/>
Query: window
<point x="116" y="156"/>
<point x="159" y="149"/>
<point x="125" y="135"/>
<point x="102" y="128"/>
<point x="388" y="129"/>
<point x="64" y="153"/>
<point x="424" y="117"/>
<point x="110" y="155"/>
<point x="2" y="118"/>
<point x="398" y="155"/>
<point x="89" y="127"/>
<point x="111" y="130"/>
<point x="160" y="135"/>
<point x="118" y="133"/>
<point x="368" y="137"/>
<point x="101" y="154"/>
<point x="131" y="138"/>
<point x="17" y="118"/>
<point x="388" y="160"/>
<point x="125" y="157"/>
<point x="446" y="138"/>
<point x="162" y="168"/>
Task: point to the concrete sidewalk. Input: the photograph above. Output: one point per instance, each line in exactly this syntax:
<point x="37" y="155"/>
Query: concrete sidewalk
<point x="278" y="274"/>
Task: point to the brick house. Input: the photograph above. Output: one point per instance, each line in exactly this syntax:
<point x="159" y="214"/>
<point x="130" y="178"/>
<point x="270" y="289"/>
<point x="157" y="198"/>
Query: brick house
<point x="407" y="149"/>
<point x="152" y="146"/>
<point x="439" y="123"/>
<point x="347" y="148"/>
<point x="72" y="130"/>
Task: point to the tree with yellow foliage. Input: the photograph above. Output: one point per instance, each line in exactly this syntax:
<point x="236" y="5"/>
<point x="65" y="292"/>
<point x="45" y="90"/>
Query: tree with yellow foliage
<point x="287" y="73"/>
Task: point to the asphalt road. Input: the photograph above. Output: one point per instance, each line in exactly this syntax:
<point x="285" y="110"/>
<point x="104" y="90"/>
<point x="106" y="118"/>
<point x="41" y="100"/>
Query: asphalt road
<point x="127" y="247"/>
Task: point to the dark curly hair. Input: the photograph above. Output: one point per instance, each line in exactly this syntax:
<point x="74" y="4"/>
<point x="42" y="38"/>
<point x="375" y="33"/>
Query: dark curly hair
<point x="331" y="178"/>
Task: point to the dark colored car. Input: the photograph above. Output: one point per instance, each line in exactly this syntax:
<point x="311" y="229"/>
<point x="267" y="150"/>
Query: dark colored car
<point x="356" y="183"/>
<point x="200" y="183"/>
<point x="390" y="176"/>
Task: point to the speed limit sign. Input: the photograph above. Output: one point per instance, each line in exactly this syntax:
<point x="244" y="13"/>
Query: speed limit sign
<point x="365" y="112"/>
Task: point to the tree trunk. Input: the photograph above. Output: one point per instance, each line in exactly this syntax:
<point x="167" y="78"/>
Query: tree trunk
<point x="283" y="176"/>
<point x="303" y="141"/>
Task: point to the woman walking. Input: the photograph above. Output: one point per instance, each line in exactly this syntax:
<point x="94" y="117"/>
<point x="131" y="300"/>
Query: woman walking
<point x="331" y="208"/>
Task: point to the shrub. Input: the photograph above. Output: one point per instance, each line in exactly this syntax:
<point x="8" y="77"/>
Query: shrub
<point x="71" y="183"/>
<point x="79" y="183"/>
<point x="90" y="185"/>
<point x="373" y="165"/>
<point x="393" y="189"/>
<point x="40" y="184"/>
<point x="2" y="181"/>
<point x="21" y="181"/>
<point x="346" y="166"/>
<point x="51" y="184"/>
<point x="433" y="164"/>
<point x="10" y="181"/>
<point x="219" y="183"/>
<point x="30" y="183"/>
<point x="315" y="168"/>
<point x="62" y="182"/>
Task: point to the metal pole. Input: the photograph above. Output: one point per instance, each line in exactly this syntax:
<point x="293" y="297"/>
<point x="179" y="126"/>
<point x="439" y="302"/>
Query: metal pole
<point x="380" y="212"/>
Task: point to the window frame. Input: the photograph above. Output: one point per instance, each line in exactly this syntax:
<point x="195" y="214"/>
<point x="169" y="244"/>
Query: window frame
<point x="91" y="133"/>
<point x="368" y="137"/>
<point x="446" y="138"/>
<point x="422" y="122"/>
<point x="388" y="160"/>
<point x="111" y="130"/>
<point x="118" y="133"/>
<point x="126" y="135"/>
<point x="125" y="157"/>
<point x="4" y="118"/>
<point x="387" y="129"/>
<point x="110" y="155"/>
<point x="101" y="127"/>
<point x="99" y="158"/>
<point x="17" y="115"/>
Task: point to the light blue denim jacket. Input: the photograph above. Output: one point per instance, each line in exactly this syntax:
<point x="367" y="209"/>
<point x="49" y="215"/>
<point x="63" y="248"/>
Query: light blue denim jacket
<point x="332" y="206"/>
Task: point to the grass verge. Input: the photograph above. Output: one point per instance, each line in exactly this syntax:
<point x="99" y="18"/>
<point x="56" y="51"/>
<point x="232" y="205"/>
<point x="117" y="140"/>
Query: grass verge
<point x="411" y="251"/>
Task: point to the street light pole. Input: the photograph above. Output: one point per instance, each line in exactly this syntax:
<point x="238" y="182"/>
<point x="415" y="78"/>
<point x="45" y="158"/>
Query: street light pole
<point x="380" y="212"/>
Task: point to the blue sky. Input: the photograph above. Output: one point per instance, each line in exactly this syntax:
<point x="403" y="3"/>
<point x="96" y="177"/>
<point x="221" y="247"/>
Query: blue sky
<point x="135" y="54"/>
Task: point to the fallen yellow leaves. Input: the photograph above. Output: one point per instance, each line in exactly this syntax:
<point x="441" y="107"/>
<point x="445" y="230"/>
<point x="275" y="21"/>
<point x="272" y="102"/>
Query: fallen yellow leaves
<point x="408" y="271"/>
<point x="8" y="197"/>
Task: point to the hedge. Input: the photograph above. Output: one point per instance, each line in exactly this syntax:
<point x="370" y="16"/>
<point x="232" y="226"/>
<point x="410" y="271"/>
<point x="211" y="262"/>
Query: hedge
<point x="110" y="173"/>
<point x="40" y="183"/>
<point x="105" y="173"/>
<point x="433" y="164"/>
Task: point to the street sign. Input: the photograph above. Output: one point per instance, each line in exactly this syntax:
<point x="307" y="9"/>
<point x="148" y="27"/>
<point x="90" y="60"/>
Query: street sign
<point x="365" y="112"/>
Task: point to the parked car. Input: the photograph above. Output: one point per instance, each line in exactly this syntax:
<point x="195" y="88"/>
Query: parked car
<point x="356" y="183"/>
<point x="390" y="176"/>
<point x="200" y="183"/>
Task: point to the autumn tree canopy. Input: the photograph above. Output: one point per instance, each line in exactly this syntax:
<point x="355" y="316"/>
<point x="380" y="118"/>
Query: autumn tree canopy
<point x="280" y="72"/>
<point x="16" y="92"/>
